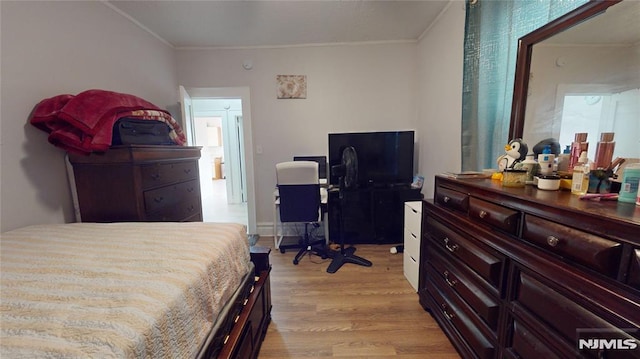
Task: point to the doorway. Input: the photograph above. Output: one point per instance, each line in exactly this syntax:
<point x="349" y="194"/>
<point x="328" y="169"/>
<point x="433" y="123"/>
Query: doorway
<point x="219" y="120"/>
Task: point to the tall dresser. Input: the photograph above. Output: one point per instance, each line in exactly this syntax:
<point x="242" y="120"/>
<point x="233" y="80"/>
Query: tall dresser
<point x="139" y="183"/>
<point x="527" y="273"/>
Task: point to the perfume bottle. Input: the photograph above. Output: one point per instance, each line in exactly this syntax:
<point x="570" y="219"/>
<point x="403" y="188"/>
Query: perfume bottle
<point x="604" y="150"/>
<point x="578" y="146"/>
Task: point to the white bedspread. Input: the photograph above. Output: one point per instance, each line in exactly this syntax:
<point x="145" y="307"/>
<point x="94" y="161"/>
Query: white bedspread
<point x="118" y="290"/>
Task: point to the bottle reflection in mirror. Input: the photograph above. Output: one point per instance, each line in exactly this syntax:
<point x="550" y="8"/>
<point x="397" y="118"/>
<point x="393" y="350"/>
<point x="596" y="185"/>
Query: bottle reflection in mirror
<point x="604" y="150"/>
<point x="578" y="146"/>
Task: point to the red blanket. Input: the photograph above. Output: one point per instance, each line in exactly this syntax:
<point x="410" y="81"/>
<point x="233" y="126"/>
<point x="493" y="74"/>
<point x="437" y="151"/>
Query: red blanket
<point x="84" y="123"/>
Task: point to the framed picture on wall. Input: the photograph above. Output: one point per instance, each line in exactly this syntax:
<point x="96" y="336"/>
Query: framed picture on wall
<point x="292" y="86"/>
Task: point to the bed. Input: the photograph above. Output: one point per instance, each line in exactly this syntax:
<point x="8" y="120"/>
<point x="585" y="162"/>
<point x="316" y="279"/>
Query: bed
<point x="132" y="290"/>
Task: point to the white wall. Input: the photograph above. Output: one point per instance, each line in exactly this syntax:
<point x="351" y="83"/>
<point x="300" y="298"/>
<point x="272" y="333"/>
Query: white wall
<point x="440" y="64"/>
<point x="51" y="48"/>
<point x="350" y="88"/>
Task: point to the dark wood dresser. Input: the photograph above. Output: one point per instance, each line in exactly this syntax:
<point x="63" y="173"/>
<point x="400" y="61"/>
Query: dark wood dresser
<point x="527" y="273"/>
<point x="139" y="183"/>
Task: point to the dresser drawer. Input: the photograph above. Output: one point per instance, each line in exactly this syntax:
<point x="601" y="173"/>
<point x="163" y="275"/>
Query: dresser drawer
<point x="590" y="250"/>
<point x="411" y="269"/>
<point x="466" y="286"/>
<point x="413" y="217"/>
<point x="452" y="199"/>
<point x="454" y="315"/>
<point x="161" y="174"/>
<point x="494" y="215"/>
<point x="480" y="259"/>
<point x="188" y="210"/>
<point x="165" y="197"/>
<point x="633" y="277"/>
<point x="526" y="345"/>
<point x="558" y="312"/>
<point x="411" y="243"/>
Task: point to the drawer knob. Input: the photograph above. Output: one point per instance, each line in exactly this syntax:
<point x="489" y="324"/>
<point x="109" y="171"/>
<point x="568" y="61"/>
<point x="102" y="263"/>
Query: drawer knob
<point x="452" y="247"/>
<point x="187" y="170"/>
<point x="483" y="214"/>
<point x="552" y="241"/>
<point x="446" y="199"/>
<point x="447" y="314"/>
<point x="450" y="282"/>
<point x="158" y="199"/>
<point x="155" y="176"/>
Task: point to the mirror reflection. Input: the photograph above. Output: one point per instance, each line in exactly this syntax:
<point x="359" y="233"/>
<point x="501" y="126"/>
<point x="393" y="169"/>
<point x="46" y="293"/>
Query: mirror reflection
<point x="587" y="79"/>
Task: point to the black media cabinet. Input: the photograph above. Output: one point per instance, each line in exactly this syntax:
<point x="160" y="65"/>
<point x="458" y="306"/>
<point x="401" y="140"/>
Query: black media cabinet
<point x="372" y="215"/>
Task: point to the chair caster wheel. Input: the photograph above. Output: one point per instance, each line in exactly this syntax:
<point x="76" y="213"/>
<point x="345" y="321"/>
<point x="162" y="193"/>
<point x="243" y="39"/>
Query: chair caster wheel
<point x="295" y="261"/>
<point x="281" y="250"/>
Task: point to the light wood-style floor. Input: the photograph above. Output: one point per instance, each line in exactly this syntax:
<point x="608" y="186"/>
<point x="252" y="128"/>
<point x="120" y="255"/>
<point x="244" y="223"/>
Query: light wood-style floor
<point x="358" y="312"/>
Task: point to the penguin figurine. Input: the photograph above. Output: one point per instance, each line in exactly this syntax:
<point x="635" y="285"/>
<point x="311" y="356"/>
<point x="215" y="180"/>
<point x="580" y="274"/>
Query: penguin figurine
<point x="516" y="151"/>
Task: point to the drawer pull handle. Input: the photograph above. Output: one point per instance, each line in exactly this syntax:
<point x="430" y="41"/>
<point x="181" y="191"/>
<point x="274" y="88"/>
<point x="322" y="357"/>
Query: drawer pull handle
<point x="190" y="189"/>
<point x="552" y="241"/>
<point x="446" y="199"/>
<point x="414" y="236"/>
<point x="450" y="282"/>
<point x="155" y="176"/>
<point x="483" y="214"/>
<point x="158" y="199"/>
<point x="452" y="247"/>
<point x="447" y="314"/>
<point x="187" y="170"/>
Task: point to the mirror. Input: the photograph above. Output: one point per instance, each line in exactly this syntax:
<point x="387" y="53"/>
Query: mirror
<point x="581" y="73"/>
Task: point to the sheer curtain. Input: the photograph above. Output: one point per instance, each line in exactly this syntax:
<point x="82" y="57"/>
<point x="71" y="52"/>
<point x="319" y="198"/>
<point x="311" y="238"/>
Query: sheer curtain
<point x="492" y="30"/>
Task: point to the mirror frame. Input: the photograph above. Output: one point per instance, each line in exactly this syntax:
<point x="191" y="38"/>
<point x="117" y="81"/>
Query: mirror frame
<point x="525" y="50"/>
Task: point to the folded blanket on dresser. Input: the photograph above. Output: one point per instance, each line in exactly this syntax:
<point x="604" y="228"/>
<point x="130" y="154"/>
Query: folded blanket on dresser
<point x="84" y="123"/>
<point x="116" y="290"/>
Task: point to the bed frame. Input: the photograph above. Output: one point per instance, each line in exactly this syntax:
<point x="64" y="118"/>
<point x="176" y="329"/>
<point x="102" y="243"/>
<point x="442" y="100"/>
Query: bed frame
<point x="246" y="335"/>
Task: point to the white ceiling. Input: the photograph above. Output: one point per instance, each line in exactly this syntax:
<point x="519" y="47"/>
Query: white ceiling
<point x="239" y="23"/>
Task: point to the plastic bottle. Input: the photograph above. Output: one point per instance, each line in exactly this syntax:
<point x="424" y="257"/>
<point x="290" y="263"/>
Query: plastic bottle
<point x="604" y="150"/>
<point x="531" y="166"/>
<point x="563" y="159"/>
<point x="580" y="179"/>
<point x="630" y="180"/>
<point x="578" y="146"/>
<point x="546" y="160"/>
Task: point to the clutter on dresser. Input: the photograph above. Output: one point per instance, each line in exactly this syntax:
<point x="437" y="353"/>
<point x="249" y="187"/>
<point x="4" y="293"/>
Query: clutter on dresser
<point x="83" y="123"/>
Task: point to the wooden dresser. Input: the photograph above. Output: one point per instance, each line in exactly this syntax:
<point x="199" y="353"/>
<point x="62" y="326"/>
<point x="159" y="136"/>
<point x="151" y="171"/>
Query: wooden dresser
<point x="527" y="273"/>
<point x="139" y="183"/>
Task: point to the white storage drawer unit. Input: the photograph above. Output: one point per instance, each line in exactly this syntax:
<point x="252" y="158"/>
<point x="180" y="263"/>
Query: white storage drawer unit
<point x="412" y="231"/>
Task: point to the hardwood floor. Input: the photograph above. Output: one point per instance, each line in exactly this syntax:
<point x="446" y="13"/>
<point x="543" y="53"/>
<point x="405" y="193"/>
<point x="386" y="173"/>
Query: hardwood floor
<point x="357" y="312"/>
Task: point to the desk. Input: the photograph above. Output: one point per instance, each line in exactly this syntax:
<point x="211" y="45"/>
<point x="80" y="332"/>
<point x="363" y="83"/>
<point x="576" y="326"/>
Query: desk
<point x="279" y="235"/>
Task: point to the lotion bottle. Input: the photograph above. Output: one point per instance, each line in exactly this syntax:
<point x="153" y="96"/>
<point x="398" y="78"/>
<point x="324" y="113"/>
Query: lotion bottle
<point x="546" y="161"/>
<point x="580" y="179"/>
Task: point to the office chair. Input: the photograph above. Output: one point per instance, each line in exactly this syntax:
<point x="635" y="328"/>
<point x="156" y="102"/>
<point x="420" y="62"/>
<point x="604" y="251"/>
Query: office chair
<point x="322" y="165"/>
<point x="299" y="195"/>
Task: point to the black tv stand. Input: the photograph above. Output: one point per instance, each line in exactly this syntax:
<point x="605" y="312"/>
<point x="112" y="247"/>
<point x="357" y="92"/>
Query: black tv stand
<point x="372" y="215"/>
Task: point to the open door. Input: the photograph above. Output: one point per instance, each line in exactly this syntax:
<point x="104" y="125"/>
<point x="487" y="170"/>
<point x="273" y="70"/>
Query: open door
<point x="187" y="116"/>
<point x="243" y="124"/>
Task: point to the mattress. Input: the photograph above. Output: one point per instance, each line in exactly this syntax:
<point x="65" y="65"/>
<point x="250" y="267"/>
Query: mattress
<point x="125" y="290"/>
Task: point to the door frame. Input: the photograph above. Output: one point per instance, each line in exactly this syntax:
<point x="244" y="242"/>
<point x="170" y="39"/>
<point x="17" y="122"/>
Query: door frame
<point x="242" y="93"/>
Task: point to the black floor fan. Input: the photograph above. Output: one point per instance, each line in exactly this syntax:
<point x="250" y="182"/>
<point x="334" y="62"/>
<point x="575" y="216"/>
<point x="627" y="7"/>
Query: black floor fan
<point x="347" y="171"/>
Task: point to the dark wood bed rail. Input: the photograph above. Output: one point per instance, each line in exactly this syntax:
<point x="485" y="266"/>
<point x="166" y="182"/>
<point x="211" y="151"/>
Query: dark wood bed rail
<point x="247" y="334"/>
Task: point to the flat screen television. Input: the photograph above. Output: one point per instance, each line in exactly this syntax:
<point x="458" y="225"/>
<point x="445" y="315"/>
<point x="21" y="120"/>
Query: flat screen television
<point x="384" y="158"/>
